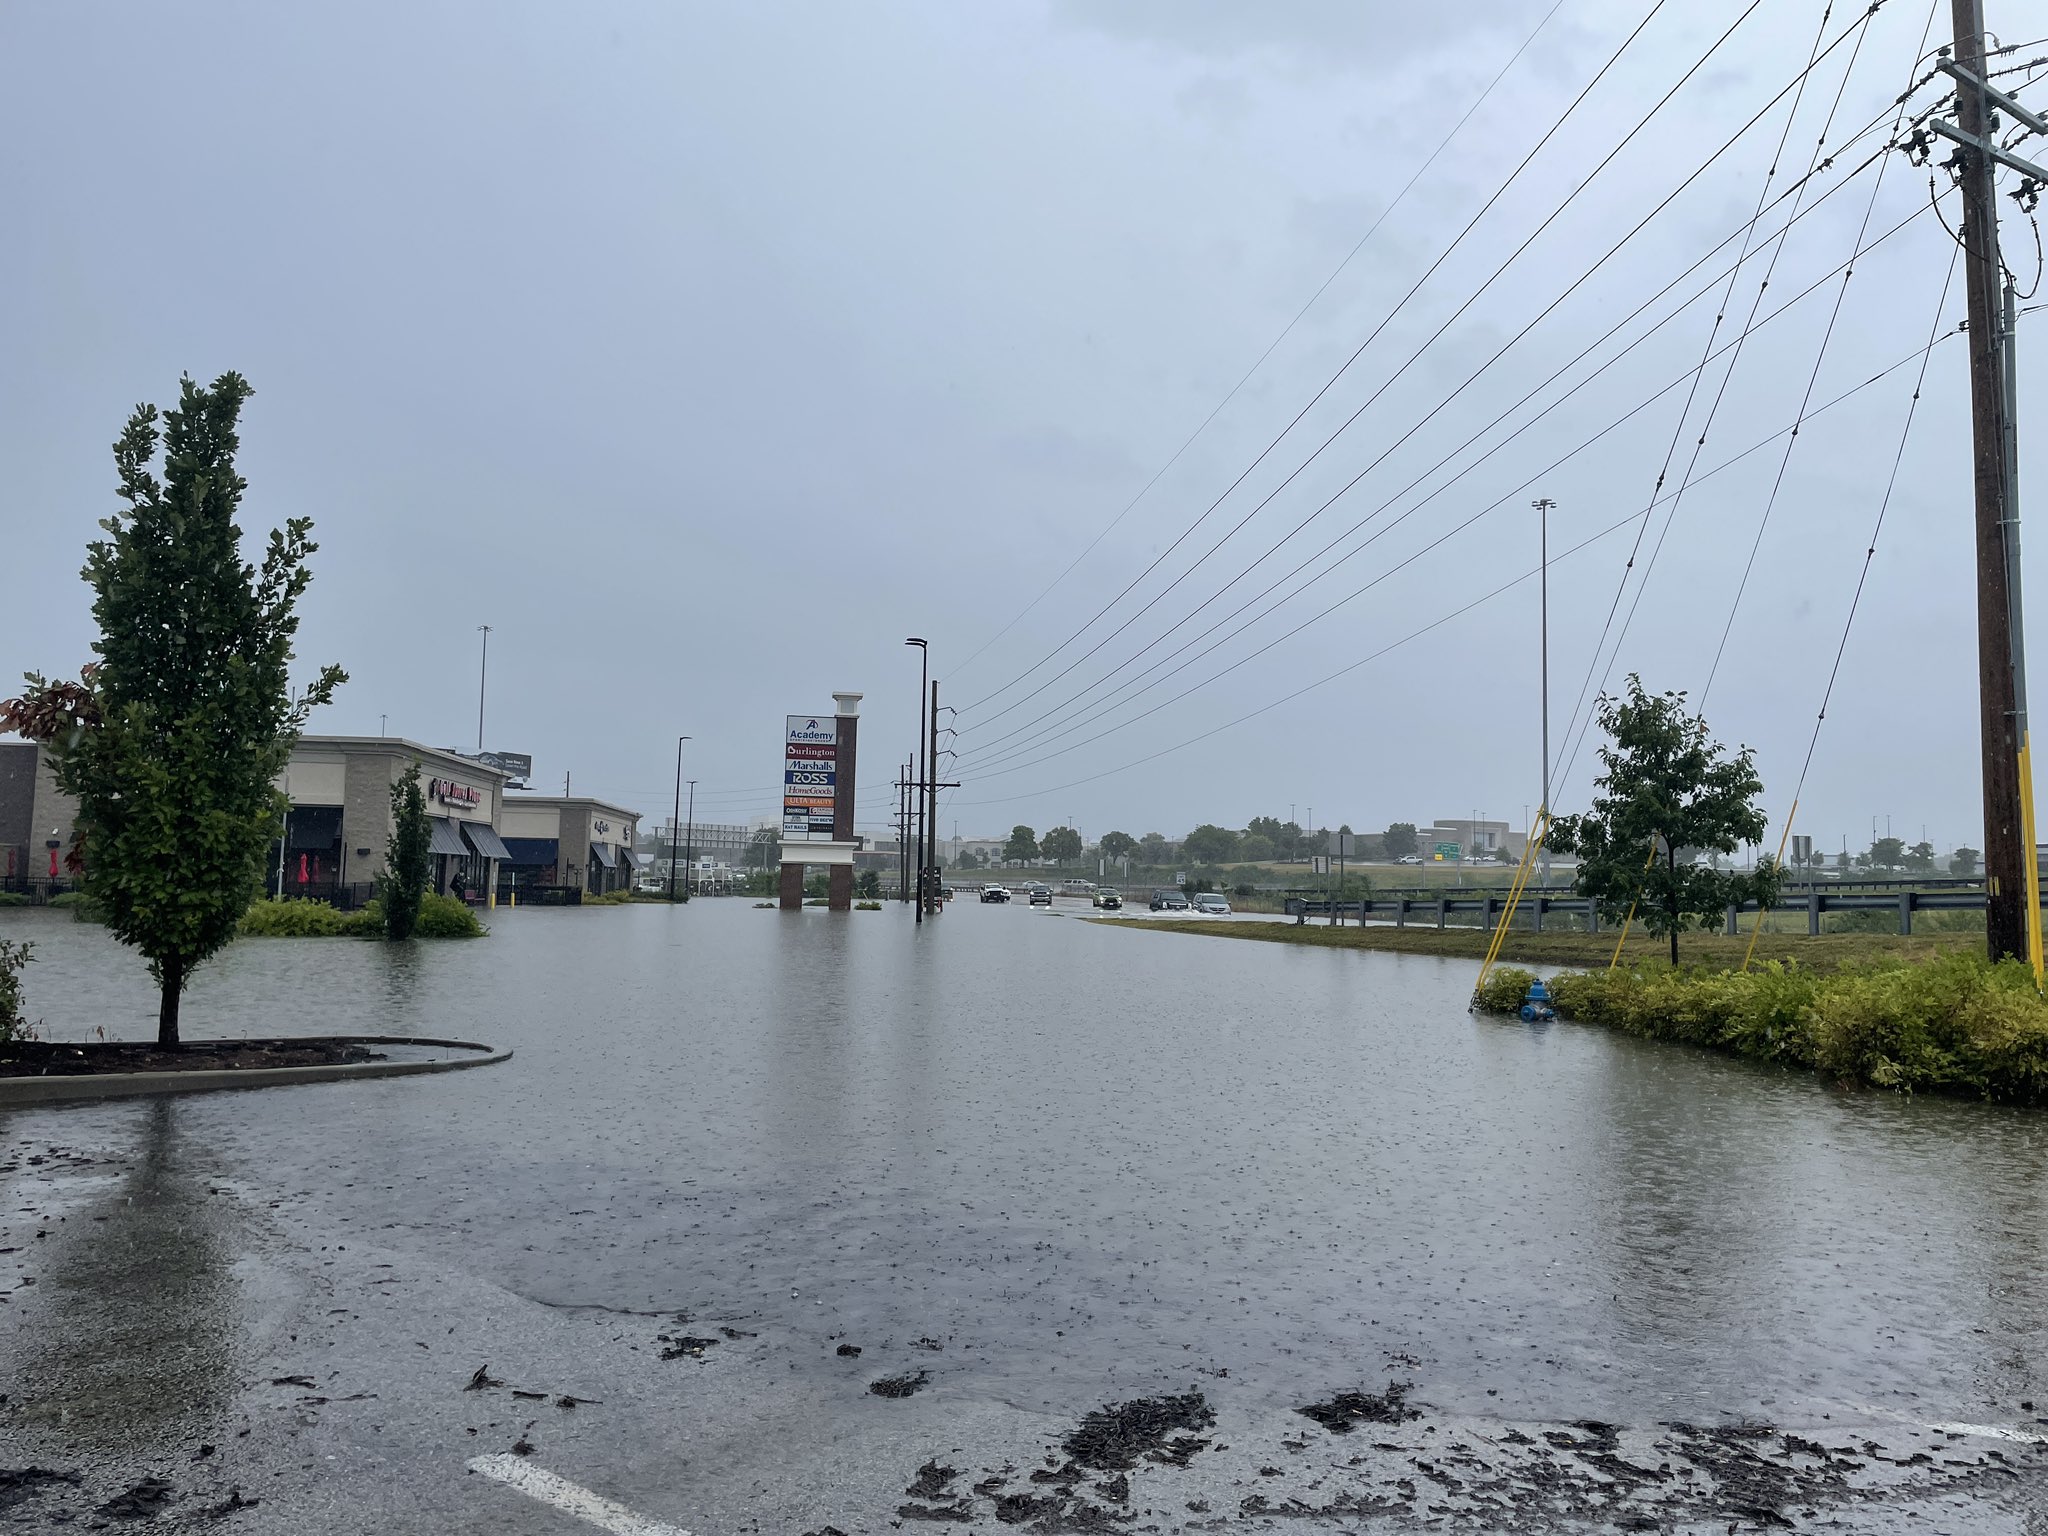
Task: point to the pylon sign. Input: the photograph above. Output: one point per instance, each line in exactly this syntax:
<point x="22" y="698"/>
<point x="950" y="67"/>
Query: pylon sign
<point x="810" y="774"/>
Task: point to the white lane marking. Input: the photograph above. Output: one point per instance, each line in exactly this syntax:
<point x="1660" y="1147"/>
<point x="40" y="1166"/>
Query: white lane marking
<point x="539" y="1483"/>
<point x="1990" y="1432"/>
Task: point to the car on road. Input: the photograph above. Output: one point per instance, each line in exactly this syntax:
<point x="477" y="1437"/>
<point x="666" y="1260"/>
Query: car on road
<point x="1212" y="904"/>
<point x="1409" y="858"/>
<point x="994" y="893"/>
<point x="1169" y="901"/>
<point x="1108" y="898"/>
<point x="1041" y="895"/>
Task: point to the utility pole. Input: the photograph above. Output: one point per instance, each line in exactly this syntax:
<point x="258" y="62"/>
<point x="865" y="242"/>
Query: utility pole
<point x="923" y="674"/>
<point x="675" y="817"/>
<point x="482" y="671"/>
<point x="689" y="838"/>
<point x="1543" y="506"/>
<point x="931" y="817"/>
<point x="2010" y="875"/>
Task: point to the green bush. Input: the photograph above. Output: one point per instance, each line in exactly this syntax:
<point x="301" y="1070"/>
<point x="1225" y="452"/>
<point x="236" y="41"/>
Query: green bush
<point x="68" y="899"/>
<point x="12" y="899"/>
<point x="867" y="906"/>
<point x="298" y="917"/>
<point x="13" y="956"/>
<point x="443" y="917"/>
<point x="1506" y="986"/>
<point x="1952" y="1024"/>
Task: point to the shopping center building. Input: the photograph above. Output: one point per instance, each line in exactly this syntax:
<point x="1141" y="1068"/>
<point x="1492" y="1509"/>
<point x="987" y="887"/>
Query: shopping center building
<point x="567" y="841"/>
<point x="341" y="819"/>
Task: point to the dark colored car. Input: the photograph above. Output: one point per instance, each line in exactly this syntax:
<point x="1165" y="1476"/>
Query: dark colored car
<point x="1169" y="901"/>
<point x="1041" y="895"/>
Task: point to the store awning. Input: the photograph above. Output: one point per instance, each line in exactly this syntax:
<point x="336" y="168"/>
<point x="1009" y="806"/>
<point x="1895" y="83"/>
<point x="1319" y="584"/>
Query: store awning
<point x="486" y="841"/>
<point x="447" y="839"/>
<point x="538" y="851"/>
<point x="602" y="852"/>
<point x="314" y="828"/>
<point x="629" y="858"/>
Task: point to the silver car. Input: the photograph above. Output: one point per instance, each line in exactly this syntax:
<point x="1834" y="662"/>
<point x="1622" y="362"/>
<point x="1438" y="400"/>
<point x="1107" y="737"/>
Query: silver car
<point x="1212" y="904"/>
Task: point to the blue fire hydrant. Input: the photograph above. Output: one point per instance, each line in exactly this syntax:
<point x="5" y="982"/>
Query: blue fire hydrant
<point x="1536" y="1007"/>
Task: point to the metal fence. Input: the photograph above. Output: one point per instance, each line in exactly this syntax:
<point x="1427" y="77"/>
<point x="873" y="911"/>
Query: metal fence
<point x="1958" y="896"/>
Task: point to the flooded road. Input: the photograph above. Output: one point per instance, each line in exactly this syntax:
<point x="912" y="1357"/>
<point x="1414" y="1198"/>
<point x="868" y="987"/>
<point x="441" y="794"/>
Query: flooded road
<point x="1047" y="1164"/>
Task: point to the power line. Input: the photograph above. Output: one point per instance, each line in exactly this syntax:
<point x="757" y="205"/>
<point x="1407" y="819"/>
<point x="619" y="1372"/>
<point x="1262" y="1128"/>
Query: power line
<point x="988" y="769"/>
<point x="1499" y="192"/>
<point x="1286" y="331"/>
<point x="1441" y="405"/>
<point x="1449" y="457"/>
<point x="1436" y="623"/>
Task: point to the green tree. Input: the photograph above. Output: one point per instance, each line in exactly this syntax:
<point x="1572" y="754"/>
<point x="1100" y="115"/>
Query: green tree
<point x="1209" y="844"/>
<point x="1920" y="858"/>
<point x="1885" y="854"/>
<point x="1254" y="849"/>
<point x="1670" y="791"/>
<point x="1062" y="845"/>
<point x="1399" y="840"/>
<point x="1117" y="845"/>
<point x="189" y="714"/>
<point x="869" y="886"/>
<point x="1153" y="848"/>
<point x="1022" y="847"/>
<point x="408" y="857"/>
<point x="764" y="849"/>
<point x="1963" y="863"/>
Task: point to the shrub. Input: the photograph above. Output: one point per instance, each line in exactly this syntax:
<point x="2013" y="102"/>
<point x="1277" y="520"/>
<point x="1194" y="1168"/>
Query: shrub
<point x="443" y="917"/>
<point x="298" y="917"/>
<point x="1506" y="986"/>
<point x="83" y="907"/>
<point x="13" y="956"/>
<point x="867" y="906"/>
<point x="12" y="899"/>
<point x="1954" y="1024"/>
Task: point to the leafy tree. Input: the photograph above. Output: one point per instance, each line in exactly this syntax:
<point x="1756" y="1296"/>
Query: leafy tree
<point x="1022" y="847"/>
<point x="1209" y="844"/>
<point x="1885" y="853"/>
<point x="1963" y="863"/>
<point x="764" y="849"/>
<point x="869" y="885"/>
<point x="1501" y="854"/>
<point x="1154" y="848"/>
<point x="1399" y="840"/>
<point x="1920" y="858"/>
<point x="1668" y="786"/>
<point x="1842" y="861"/>
<point x="1255" y="849"/>
<point x="1284" y="837"/>
<point x="1117" y="845"/>
<point x="408" y="857"/>
<point x="1062" y="845"/>
<point x="187" y="718"/>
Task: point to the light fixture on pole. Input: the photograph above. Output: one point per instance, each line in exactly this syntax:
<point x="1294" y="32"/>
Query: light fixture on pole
<point x="674" y="817"/>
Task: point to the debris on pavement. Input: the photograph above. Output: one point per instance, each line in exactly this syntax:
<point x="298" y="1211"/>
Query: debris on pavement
<point x="899" y="1386"/>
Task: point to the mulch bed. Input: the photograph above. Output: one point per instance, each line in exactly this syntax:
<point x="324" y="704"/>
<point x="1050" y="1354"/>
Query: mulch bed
<point x="50" y="1058"/>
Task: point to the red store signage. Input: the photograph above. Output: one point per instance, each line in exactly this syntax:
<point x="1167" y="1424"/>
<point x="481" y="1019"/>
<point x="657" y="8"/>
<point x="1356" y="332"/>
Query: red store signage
<point x="448" y="792"/>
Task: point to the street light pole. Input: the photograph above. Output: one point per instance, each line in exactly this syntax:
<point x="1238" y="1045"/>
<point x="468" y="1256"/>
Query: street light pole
<point x="482" y="671"/>
<point x="689" y="849"/>
<point x="1543" y="507"/>
<point x="674" y="817"/>
<point x="924" y="775"/>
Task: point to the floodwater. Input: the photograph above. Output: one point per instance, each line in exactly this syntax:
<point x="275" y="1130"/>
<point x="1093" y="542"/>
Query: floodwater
<point x="1092" y="1160"/>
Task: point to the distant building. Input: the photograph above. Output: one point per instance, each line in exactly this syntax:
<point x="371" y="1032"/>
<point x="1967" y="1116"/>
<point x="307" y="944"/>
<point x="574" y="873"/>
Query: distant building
<point x="35" y="817"/>
<point x="1468" y="834"/>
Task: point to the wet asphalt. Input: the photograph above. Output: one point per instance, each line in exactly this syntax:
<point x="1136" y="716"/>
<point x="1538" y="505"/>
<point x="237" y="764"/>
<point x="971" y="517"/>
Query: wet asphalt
<point x="1112" y="1208"/>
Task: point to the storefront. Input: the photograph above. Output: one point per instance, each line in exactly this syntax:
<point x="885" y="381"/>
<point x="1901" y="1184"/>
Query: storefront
<point x="340" y="822"/>
<point x="566" y="842"/>
<point x="35" y="822"/>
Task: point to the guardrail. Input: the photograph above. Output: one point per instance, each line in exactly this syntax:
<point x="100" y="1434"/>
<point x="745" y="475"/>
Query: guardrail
<point x="1815" y="904"/>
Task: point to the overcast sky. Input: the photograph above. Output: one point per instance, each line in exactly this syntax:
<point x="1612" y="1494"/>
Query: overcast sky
<point x="705" y="352"/>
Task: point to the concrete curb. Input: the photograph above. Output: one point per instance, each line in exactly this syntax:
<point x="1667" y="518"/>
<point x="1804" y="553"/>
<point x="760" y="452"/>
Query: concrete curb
<point x="18" y="1091"/>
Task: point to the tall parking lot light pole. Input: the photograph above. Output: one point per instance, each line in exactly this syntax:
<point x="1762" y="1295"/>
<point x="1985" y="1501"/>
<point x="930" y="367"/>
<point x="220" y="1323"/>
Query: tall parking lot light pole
<point x="674" y="817"/>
